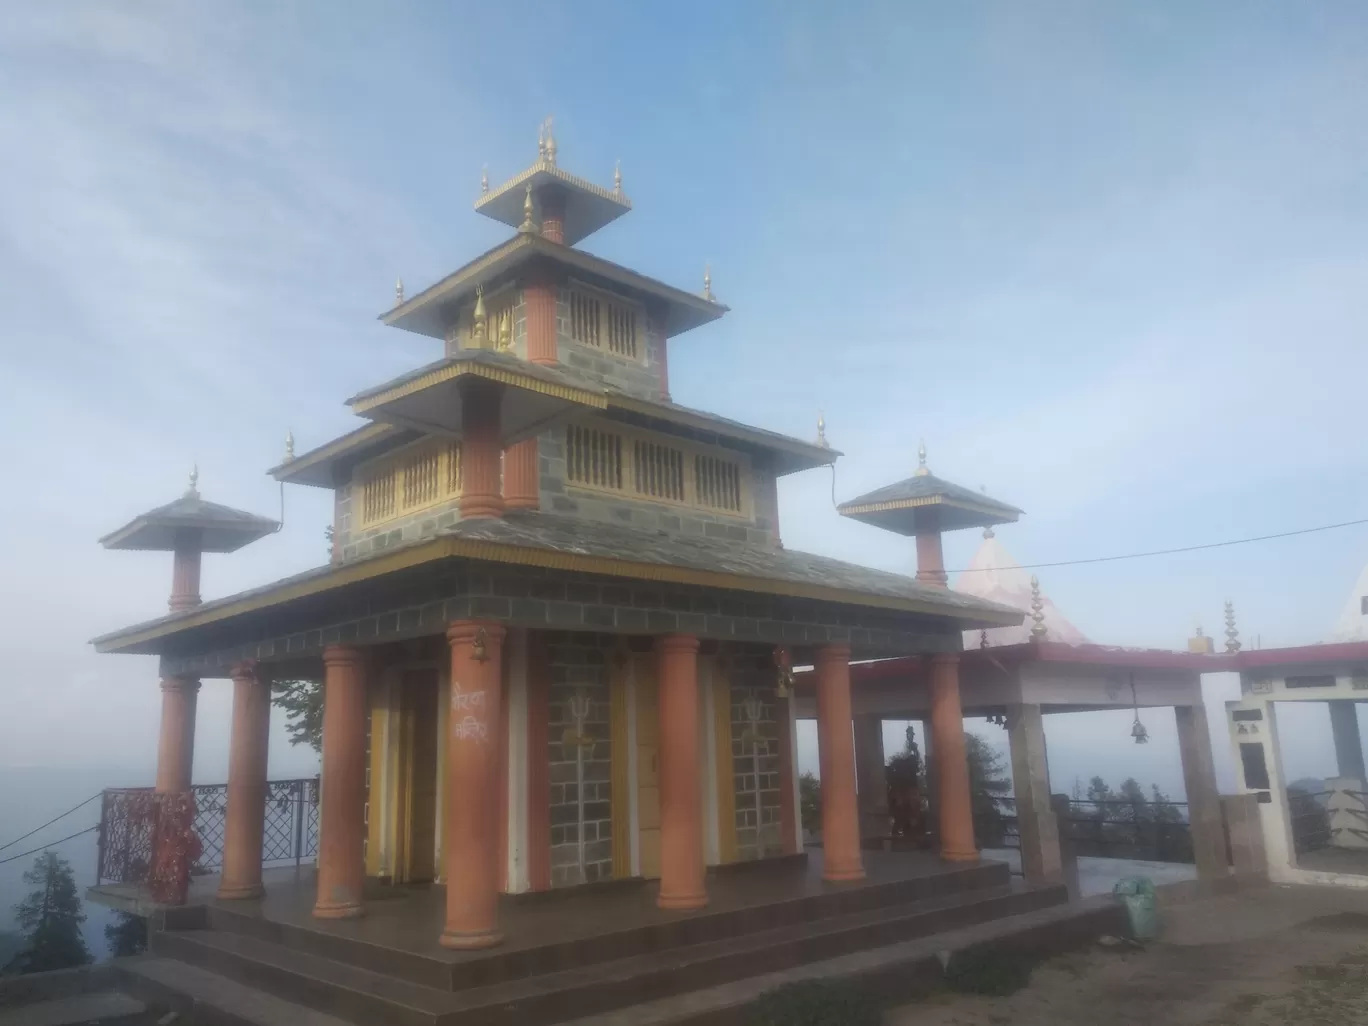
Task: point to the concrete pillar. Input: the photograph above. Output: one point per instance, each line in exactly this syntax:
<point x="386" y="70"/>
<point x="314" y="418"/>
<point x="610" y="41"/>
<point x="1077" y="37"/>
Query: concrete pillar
<point x="176" y="745"/>
<point x="681" y="814"/>
<point x="1245" y="830"/>
<point x="1348" y="744"/>
<point x="521" y="476"/>
<point x="341" y="868"/>
<point x="481" y="454"/>
<point x="474" y="748"/>
<point x="1068" y="853"/>
<point x="931" y="559"/>
<point x="245" y="816"/>
<point x="841" y="856"/>
<point x="1040" y="858"/>
<point x="789" y="827"/>
<point x="869" y="776"/>
<point x="952" y="762"/>
<point x="185" y="569"/>
<point x="1204" y="803"/>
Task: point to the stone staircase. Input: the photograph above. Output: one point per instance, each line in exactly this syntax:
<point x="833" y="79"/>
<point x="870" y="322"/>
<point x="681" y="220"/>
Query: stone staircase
<point x="231" y="967"/>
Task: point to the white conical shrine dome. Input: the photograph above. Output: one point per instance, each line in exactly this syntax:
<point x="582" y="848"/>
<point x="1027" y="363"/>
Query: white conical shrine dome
<point x="1352" y="624"/>
<point x="994" y="575"/>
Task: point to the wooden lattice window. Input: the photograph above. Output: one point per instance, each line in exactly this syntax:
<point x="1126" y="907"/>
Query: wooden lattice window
<point x="717" y="483"/>
<point x="411" y="479"/>
<point x="603" y="323"/>
<point x="594" y="457"/>
<point x="658" y="471"/>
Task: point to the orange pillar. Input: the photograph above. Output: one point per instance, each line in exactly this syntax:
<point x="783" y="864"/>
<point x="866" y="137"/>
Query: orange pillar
<point x="341" y="867"/>
<point x="931" y="559"/>
<point x="481" y="454"/>
<point x="553" y="214"/>
<point x="245" y="818"/>
<point x="473" y="753"/>
<point x="952" y="763"/>
<point x="841" y="858"/>
<point x="176" y="746"/>
<point x="681" y="813"/>
<point x="540" y="298"/>
<point x="185" y="569"/>
<point x="522" y="476"/>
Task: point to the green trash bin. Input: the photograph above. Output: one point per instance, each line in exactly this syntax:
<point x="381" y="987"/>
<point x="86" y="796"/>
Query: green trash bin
<point x="1142" y="911"/>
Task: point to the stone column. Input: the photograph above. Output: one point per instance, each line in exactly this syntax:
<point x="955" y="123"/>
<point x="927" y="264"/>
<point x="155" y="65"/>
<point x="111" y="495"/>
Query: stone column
<point x="841" y="857"/>
<point x="681" y="814"/>
<point x="952" y="763"/>
<point x="1204" y="801"/>
<point x="245" y="818"/>
<point x="521" y="476"/>
<point x="176" y="746"/>
<point x="789" y="826"/>
<point x="1348" y="744"/>
<point x="474" y="749"/>
<point x="931" y="559"/>
<point x="185" y="569"/>
<point x="341" y="868"/>
<point x="1040" y="857"/>
<point x="1243" y="827"/>
<point x="481" y="486"/>
<point x="870" y="777"/>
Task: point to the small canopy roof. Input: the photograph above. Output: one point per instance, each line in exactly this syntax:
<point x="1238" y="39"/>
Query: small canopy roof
<point x="221" y="528"/>
<point x="588" y="207"/>
<point x="431" y="398"/>
<point x="924" y="502"/>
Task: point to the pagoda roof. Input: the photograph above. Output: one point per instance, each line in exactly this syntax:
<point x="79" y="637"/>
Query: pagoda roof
<point x="924" y="502"/>
<point x="432" y="310"/>
<point x="317" y="466"/>
<point x="221" y="528"/>
<point x="588" y="207"/>
<point x="550" y="540"/>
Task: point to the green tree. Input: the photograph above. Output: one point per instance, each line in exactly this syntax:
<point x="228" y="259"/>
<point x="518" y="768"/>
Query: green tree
<point x="51" y="919"/>
<point x="302" y="701"/>
<point x="989" y="783"/>
<point x="127" y="935"/>
<point x="810" y="802"/>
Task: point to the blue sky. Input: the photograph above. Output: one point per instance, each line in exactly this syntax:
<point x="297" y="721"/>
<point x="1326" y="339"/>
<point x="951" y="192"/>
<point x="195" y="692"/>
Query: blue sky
<point x="1110" y="261"/>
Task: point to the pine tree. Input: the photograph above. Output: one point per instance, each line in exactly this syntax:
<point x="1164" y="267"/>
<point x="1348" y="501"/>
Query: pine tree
<point x="988" y="782"/>
<point x="127" y="935"/>
<point x="51" y="919"/>
<point x="302" y="701"/>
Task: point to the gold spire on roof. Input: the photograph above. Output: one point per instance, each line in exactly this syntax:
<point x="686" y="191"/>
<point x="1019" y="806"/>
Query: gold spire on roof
<point x="527" y="226"/>
<point x="289" y="446"/>
<point x="506" y="331"/>
<point x="1231" y="632"/>
<point x="192" y="492"/>
<point x="1038" y="631"/>
<point x="548" y="150"/>
<point x="821" y="431"/>
<point x="398" y="291"/>
<point x="541" y="141"/>
<point x="707" y="284"/>
<point x="617" y="178"/>
<point x="922" y="470"/>
<point x="484" y="179"/>
<point x="479" y="328"/>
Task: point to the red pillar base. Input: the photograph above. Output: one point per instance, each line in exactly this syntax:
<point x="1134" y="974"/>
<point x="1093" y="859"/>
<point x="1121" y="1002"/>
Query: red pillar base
<point x="339" y="910"/>
<point x="239" y="893"/>
<point x="470" y="941"/>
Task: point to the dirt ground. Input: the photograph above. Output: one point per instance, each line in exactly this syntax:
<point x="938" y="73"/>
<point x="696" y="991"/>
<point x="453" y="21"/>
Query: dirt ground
<point x="1277" y="955"/>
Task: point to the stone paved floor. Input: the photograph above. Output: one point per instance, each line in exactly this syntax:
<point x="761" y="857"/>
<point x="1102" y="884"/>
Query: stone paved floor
<point x="1278" y="955"/>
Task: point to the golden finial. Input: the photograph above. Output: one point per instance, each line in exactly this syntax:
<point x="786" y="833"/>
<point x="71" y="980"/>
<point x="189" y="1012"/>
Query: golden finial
<point x="289" y="446"/>
<point x="484" y="179"/>
<point x="617" y="178"/>
<point x="1231" y="632"/>
<point x="527" y="226"/>
<point x="479" y="323"/>
<point x="922" y="470"/>
<point x="541" y="141"/>
<point x="506" y="331"/>
<point x="707" y="284"/>
<point x="398" y="291"/>
<point x="821" y="431"/>
<point x="1038" y="631"/>
<point x="550" y="143"/>
<point x="192" y="492"/>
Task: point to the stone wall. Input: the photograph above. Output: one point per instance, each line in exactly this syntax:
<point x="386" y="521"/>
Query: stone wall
<point x="640" y="377"/>
<point x="579" y="669"/>
<point x="755" y="760"/>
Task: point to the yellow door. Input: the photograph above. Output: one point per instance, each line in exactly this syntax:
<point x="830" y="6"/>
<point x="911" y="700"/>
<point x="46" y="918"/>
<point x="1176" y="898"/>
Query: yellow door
<point x="648" y="766"/>
<point x="418" y="776"/>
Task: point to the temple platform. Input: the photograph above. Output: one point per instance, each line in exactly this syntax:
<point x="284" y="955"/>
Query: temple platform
<point x="590" y="952"/>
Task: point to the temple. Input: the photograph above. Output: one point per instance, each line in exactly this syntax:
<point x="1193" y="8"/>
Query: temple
<point x="557" y="629"/>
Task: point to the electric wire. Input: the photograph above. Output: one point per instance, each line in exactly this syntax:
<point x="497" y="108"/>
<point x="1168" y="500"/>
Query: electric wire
<point x="45" y="847"/>
<point x="49" y="823"/>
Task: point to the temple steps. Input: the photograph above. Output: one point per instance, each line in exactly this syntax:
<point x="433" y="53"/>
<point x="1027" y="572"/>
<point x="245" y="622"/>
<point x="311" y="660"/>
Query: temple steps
<point x="645" y="977"/>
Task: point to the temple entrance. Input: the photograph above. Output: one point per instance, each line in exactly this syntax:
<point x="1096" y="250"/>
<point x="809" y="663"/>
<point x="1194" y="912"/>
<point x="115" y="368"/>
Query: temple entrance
<point x="416" y="860"/>
<point x="647" y="765"/>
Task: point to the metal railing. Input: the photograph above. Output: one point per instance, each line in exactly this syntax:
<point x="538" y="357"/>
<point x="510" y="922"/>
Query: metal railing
<point x="127" y="833"/>
<point x="1310" y="820"/>
<point x="1146" y="831"/>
